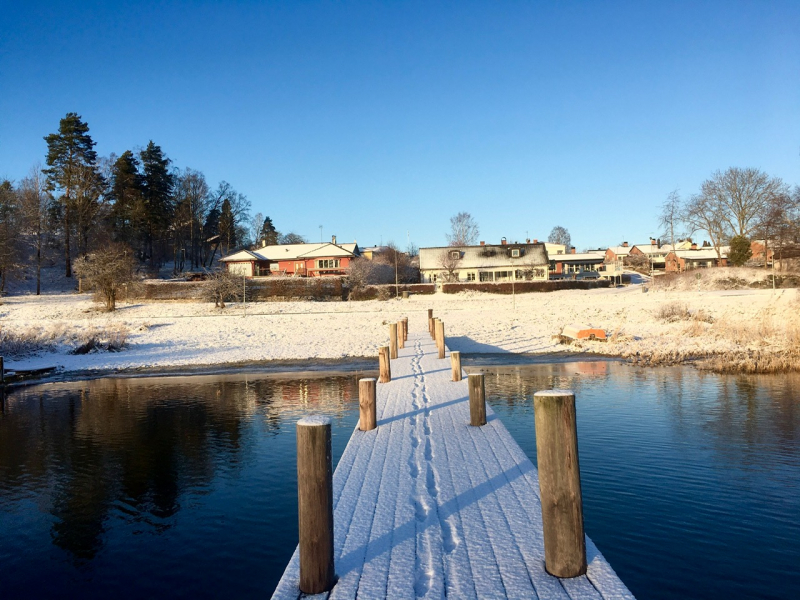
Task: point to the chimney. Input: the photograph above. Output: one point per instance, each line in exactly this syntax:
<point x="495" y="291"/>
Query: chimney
<point x="572" y="250"/>
<point x="333" y="239"/>
<point x="263" y="243"/>
<point x="535" y="241"/>
<point x="527" y="240"/>
<point x="694" y="246"/>
<point x="502" y="241"/>
<point x="624" y="244"/>
<point x="483" y="243"/>
<point x="652" y="241"/>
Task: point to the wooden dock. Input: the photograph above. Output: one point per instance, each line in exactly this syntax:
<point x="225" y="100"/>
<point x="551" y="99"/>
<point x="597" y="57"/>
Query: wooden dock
<point x="426" y="506"/>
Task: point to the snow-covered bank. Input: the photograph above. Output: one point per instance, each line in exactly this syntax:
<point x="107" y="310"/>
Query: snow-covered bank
<point x="178" y="334"/>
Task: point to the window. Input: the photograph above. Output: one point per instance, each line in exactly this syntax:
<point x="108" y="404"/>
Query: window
<point x="502" y="275"/>
<point x="455" y="255"/>
<point x="515" y="253"/>
<point x="470" y="276"/>
<point x="328" y="263"/>
<point x="487" y="276"/>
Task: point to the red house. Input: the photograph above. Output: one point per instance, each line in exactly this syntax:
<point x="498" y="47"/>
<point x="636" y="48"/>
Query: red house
<point x="298" y="260"/>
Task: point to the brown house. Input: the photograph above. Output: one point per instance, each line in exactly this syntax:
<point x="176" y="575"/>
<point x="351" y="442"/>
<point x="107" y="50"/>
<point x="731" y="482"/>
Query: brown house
<point x="678" y="261"/>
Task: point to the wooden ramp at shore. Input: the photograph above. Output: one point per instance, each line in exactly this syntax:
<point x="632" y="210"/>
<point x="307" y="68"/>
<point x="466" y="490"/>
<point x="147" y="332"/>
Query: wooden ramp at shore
<point x="426" y="506"/>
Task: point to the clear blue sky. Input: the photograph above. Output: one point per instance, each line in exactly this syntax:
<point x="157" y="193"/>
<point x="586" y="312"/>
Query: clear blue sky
<point x="378" y="119"/>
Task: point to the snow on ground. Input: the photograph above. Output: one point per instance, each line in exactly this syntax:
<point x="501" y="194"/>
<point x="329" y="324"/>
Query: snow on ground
<point x="164" y="334"/>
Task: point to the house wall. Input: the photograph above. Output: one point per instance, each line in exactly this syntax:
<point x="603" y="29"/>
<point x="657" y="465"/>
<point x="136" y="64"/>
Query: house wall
<point x="479" y="275"/>
<point x="307" y="267"/>
<point x="241" y="268"/>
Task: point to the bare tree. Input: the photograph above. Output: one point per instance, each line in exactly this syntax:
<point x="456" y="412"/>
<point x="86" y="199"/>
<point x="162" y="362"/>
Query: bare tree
<point x="292" y="238"/>
<point x="107" y="270"/>
<point x="670" y="217"/>
<point x="35" y="204"/>
<point x="223" y="286"/>
<point x="463" y="230"/>
<point x="560" y="235"/>
<point x="744" y="195"/>
<point x="705" y="212"/>
<point x="780" y="222"/>
<point x="449" y="261"/>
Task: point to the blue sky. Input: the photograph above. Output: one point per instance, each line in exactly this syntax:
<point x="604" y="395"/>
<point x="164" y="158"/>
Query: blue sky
<point x="379" y="121"/>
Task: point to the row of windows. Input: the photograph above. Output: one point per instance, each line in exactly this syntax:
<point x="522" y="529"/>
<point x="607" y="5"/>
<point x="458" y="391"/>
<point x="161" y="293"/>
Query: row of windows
<point x="518" y="275"/>
<point x="328" y="263"/>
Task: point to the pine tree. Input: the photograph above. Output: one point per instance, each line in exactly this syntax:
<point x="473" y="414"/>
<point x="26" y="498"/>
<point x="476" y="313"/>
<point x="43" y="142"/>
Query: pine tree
<point x="69" y="153"/>
<point x="128" y="220"/>
<point x="158" y="199"/>
<point x="268" y="233"/>
<point x="227" y="227"/>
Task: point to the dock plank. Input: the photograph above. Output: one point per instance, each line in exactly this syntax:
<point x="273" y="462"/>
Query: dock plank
<point x="426" y="506"/>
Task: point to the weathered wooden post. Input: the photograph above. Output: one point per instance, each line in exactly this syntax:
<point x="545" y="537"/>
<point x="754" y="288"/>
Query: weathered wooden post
<point x="405" y="328"/>
<point x="393" y="341"/>
<point x="477" y="400"/>
<point x="430" y="321"/>
<point x="385" y="365"/>
<point x="440" y="337"/>
<point x="315" y="504"/>
<point x="560" y="482"/>
<point x="401" y="336"/>
<point x="368" y="412"/>
<point x="455" y="364"/>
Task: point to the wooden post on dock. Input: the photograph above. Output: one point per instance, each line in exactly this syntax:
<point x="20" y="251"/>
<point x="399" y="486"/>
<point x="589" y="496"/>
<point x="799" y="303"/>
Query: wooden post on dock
<point x="405" y="328"/>
<point x="560" y="483"/>
<point x="440" y="337"/>
<point x="385" y="365"/>
<point x="477" y="400"/>
<point x="393" y="341"/>
<point x="315" y="504"/>
<point x="455" y="364"/>
<point x="401" y="334"/>
<point x="430" y="321"/>
<point x="368" y="412"/>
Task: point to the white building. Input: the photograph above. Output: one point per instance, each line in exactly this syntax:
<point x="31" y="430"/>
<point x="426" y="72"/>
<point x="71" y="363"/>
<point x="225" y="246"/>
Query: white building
<point x="484" y="263"/>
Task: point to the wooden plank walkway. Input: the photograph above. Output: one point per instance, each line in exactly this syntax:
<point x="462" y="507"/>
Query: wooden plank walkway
<point x="426" y="506"/>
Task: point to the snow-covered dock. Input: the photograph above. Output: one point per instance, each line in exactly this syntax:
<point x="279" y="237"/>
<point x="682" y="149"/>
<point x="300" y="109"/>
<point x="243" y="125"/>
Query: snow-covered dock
<point x="426" y="506"/>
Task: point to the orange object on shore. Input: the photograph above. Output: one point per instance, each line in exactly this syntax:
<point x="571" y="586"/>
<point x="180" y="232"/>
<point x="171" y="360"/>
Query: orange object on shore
<point x="583" y="332"/>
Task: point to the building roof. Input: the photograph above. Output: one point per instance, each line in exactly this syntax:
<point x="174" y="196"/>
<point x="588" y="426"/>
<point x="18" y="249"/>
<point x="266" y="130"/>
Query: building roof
<point x="486" y="257"/>
<point x="620" y="250"/>
<point x="578" y="257"/>
<point x="702" y="253"/>
<point x="295" y="251"/>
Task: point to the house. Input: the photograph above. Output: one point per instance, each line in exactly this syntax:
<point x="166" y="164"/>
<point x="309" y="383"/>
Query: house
<point x="298" y="260"/>
<point x="678" y="261"/>
<point x="617" y="253"/>
<point x="570" y="265"/>
<point x="757" y="249"/>
<point x="485" y="262"/>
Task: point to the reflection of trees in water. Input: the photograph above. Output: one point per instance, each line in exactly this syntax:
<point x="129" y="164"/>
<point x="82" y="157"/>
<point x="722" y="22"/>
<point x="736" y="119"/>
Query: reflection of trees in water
<point x="137" y="445"/>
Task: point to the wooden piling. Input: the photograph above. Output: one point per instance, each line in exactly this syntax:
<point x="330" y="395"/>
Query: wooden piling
<point x="393" y="340"/>
<point x="430" y="321"/>
<point x="405" y="328"/>
<point x="315" y="504"/>
<point x="455" y="364"/>
<point x="384" y="364"/>
<point x="440" y="337"/>
<point x="477" y="400"/>
<point x="368" y="412"/>
<point x="560" y="482"/>
<point x="401" y="335"/>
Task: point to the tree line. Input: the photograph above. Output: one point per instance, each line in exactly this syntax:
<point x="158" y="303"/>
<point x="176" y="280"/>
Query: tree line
<point x="734" y="207"/>
<point x="79" y="202"/>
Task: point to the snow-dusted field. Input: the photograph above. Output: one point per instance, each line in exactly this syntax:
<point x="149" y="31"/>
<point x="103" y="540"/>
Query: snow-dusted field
<point x="182" y="334"/>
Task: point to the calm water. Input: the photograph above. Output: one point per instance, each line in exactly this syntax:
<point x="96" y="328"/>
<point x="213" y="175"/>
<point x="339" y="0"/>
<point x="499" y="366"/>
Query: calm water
<point x="185" y="487"/>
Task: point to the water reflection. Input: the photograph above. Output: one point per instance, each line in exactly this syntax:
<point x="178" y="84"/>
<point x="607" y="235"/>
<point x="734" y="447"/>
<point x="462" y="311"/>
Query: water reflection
<point x="107" y="459"/>
<point x="691" y="480"/>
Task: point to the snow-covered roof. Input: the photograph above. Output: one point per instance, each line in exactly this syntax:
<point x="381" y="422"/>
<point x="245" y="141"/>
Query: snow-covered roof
<point x="620" y="250"/>
<point x="702" y="253"/>
<point x="294" y="251"/>
<point x="485" y="257"/>
<point x="653" y="249"/>
<point x="578" y="256"/>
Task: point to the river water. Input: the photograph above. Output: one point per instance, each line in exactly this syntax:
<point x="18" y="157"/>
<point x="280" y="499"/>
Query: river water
<point x="185" y="486"/>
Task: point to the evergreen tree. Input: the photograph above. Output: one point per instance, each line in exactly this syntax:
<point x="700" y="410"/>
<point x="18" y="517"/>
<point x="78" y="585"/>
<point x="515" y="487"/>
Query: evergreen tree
<point x="126" y="195"/>
<point x="9" y="232"/>
<point x="268" y="233"/>
<point x="158" y="185"/>
<point x="69" y="153"/>
<point x="740" y="251"/>
<point x="227" y="227"/>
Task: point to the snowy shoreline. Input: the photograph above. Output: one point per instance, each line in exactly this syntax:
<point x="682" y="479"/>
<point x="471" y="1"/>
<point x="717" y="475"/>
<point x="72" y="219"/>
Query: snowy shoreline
<point x="168" y="336"/>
